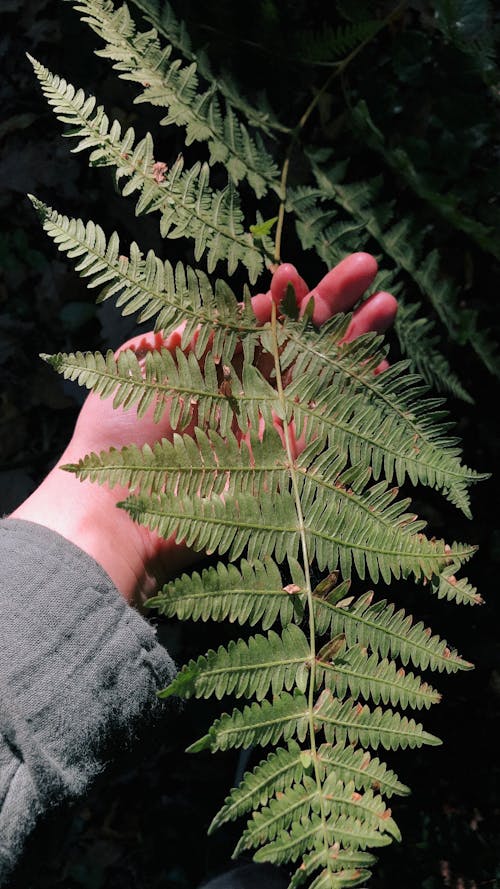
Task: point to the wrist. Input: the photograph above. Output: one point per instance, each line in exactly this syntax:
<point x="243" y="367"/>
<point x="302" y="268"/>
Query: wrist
<point x="86" y="514"/>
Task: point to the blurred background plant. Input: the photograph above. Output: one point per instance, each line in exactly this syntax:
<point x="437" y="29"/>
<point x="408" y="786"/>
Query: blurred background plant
<point x="413" y="110"/>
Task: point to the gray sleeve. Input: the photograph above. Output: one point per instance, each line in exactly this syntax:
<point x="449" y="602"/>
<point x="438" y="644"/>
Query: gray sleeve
<point x="79" y="669"/>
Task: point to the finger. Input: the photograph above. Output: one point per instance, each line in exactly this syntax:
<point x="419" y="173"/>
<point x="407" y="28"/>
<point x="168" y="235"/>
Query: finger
<point x="145" y="342"/>
<point x="286" y="274"/>
<point x="376" y="315"/>
<point x="384" y="365"/>
<point x="341" y="288"/>
<point x="155" y="341"/>
<point x="261" y="305"/>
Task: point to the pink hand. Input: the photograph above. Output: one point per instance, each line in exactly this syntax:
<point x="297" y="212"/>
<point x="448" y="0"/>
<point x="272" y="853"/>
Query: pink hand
<point x="136" y="559"/>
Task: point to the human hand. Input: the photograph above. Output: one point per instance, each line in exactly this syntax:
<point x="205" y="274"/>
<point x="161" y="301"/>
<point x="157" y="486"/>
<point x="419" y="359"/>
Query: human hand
<point x="136" y="559"/>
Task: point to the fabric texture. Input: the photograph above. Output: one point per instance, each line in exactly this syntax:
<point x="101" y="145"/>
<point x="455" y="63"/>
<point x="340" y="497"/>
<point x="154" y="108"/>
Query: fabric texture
<point x="79" y="670"/>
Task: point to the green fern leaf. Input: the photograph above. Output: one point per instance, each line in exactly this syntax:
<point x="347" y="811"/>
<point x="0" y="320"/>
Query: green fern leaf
<point x="163" y="381"/>
<point x="247" y="668"/>
<point x="400" y="243"/>
<point x="448" y="586"/>
<point x="428" y="455"/>
<point x="202" y="464"/>
<point x="444" y="297"/>
<point x="210" y="525"/>
<point x="447" y="205"/>
<point x="294" y="803"/>
<point x="367" y="677"/>
<point x="336" y="859"/>
<point x="271" y="776"/>
<point x="353" y="721"/>
<point x="151" y="287"/>
<point x="301" y="799"/>
<point x="188" y="206"/>
<point x="379" y="626"/>
<point x="354" y="764"/>
<point x="219" y="465"/>
<point x="322" y="47"/>
<point x="308" y="833"/>
<point x="418" y="341"/>
<point x="284" y="767"/>
<point x="262" y="724"/>
<point x="164" y="20"/>
<point x="396" y="547"/>
<point x="249" y="594"/>
<point x="166" y="83"/>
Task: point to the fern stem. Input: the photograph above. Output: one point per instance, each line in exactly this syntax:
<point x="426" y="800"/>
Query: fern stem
<point x="307" y="576"/>
<point x="281" y="211"/>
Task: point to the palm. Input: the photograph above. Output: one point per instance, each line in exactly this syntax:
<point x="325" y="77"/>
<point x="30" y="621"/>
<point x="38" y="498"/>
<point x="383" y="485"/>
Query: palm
<point x="101" y="426"/>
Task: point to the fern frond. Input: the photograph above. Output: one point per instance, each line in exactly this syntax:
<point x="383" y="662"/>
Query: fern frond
<point x="251" y="593"/>
<point x="331" y="44"/>
<point x="173" y="30"/>
<point x="400" y="243"/>
<point x="380" y="537"/>
<point x="281" y="769"/>
<point x="338" y="859"/>
<point x="270" y="526"/>
<point x="354" y="764"/>
<point x="428" y="455"/>
<point x="309" y="833"/>
<point x="150" y="286"/>
<point x="365" y="676"/>
<point x="377" y="625"/>
<point x="374" y="515"/>
<point x="261" y="723"/>
<point x="418" y="341"/>
<point x="295" y="802"/>
<point x="164" y="381"/>
<point x="292" y="449"/>
<point x="251" y="668"/>
<point x="447" y="205"/>
<point x="298" y="801"/>
<point x="284" y="767"/>
<point x="355" y="722"/>
<point x="448" y="586"/>
<point x="266" y="723"/>
<point x="187" y="204"/>
<point x="445" y="300"/>
<point x="247" y="668"/>
<point x="200" y="464"/>
<point x="166" y="83"/>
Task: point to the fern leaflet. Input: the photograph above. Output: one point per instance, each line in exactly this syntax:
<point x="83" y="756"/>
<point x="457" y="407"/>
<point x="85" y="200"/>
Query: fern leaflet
<point x="184" y="198"/>
<point x="166" y="83"/>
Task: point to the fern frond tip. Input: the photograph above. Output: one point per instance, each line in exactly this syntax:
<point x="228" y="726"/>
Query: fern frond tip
<point x="204" y="743"/>
<point x="41" y="209"/>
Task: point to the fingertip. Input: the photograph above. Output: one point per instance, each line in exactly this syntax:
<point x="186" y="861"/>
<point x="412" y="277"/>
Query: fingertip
<point x="287" y="274"/>
<point x="375" y="315"/>
<point x="340" y="289"/>
<point x="145" y="342"/>
<point x="387" y="301"/>
<point x="380" y="368"/>
<point x="261" y="305"/>
<point x="364" y="261"/>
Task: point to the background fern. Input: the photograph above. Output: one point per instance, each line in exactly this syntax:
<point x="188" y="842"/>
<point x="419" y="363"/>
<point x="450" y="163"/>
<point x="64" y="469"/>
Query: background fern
<point x="148" y="159"/>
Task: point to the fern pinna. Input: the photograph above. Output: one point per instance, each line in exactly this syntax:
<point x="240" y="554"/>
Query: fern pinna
<point x="329" y="675"/>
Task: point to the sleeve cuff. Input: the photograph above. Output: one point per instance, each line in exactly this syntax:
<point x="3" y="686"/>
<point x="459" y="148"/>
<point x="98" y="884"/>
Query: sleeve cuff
<point x="79" y="671"/>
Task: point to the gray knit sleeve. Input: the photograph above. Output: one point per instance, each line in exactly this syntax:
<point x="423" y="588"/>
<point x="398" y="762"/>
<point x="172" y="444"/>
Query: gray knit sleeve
<point x="79" y="669"/>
